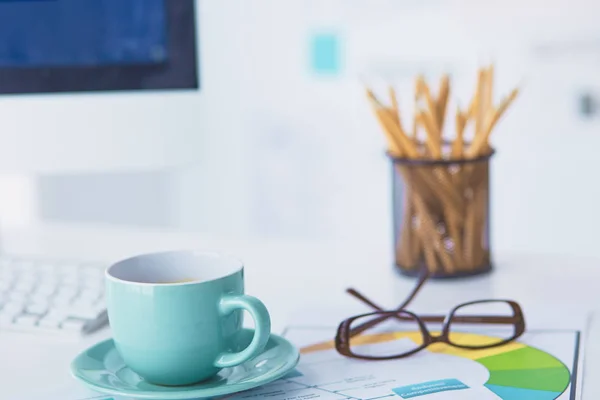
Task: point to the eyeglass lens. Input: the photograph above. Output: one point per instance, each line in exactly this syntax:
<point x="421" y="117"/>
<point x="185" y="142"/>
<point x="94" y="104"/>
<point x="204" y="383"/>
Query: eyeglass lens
<point x="495" y="318"/>
<point x="392" y="337"/>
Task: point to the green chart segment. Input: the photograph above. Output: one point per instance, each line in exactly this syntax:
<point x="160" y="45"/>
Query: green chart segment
<point x="526" y="374"/>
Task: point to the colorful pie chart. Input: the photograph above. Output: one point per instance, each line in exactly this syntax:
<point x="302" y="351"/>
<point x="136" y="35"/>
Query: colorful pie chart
<point x="516" y="371"/>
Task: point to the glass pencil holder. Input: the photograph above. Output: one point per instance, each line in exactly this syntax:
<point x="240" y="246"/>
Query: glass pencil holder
<point x="441" y="216"/>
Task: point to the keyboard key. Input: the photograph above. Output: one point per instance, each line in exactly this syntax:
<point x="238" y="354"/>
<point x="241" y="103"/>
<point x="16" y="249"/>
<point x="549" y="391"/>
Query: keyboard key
<point x="66" y="269"/>
<point x="45" y="268"/>
<point x="50" y="281"/>
<point x="83" y="309"/>
<point x="6" y="320"/>
<point x="17" y="297"/>
<point x="5" y="262"/>
<point x="14" y="303"/>
<point x="23" y="265"/>
<point x="55" y="315"/>
<point x="92" y="270"/>
<point x="92" y="283"/>
<point x="46" y="277"/>
<point x="70" y="279"/>
<point x="82" y="299"/>
<point x="24" y="287"/>
<point x="49" y="323"/>
<point x="85" y="312"/>
<point x="46" y="289"/>
<point x="27" y="273"/>
<point x="37" y="309"/>
<point x="26" y="320"/>
<point x="61" y="302"/>
<point x="10" y="311"/>
<point x="37" y="297"/>
<point x="6" y="283"/>
<point x="89" y="295"/>
<point x="67" y="292"/>
<point x="73" y="324"/>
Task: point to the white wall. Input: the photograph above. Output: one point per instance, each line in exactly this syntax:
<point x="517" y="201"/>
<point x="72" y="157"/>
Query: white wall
<point x="267" y="147"/>
<point x="543" y="176"/>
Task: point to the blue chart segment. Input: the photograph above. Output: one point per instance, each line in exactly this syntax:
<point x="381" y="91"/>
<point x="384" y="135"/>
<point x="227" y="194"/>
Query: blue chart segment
<point x="514" y="393"/>
<point x="422" y="389"/>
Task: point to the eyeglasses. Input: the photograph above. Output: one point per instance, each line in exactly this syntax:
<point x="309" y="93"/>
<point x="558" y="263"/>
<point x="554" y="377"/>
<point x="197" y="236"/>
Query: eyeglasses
<point x="357" y="335"/>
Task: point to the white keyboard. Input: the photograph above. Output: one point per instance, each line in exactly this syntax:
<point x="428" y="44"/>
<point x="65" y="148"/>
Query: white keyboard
<point x="51" y="296"/>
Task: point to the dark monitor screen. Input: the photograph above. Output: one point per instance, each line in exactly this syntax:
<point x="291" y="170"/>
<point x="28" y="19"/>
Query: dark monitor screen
<point x="97" y="45"/>
<point x="82" y="32"/>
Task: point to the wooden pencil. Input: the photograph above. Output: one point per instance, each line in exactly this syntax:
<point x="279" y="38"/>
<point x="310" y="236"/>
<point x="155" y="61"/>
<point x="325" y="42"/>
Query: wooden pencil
<point x="442" y="102"/>
<point x="431" y="238"/>
<point x="395" y="106"/>
<point x="424" y="92"/>
<point x="493" y="116"/>
<point x="480" y="102"/>
<point x="458" y="143"/>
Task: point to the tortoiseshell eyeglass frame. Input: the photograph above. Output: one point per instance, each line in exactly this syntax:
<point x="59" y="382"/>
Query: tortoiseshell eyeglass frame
<point x="346" y="329"/>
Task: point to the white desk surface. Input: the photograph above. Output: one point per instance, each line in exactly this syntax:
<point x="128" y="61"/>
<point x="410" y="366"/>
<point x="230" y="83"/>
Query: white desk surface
<point x="294" y="278"/>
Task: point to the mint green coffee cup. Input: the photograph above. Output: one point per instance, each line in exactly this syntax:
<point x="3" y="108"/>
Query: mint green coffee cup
<point x="176" y="317"/>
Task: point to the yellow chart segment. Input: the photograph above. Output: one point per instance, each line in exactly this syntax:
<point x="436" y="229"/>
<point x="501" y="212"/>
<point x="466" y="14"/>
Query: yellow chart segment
<point x="457" y="337"/>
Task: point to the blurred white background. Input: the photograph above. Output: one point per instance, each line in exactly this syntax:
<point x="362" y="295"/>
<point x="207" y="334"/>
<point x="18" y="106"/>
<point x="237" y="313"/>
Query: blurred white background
<point x="280" y="141"/>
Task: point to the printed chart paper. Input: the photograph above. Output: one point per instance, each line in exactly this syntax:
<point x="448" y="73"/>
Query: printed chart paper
<point x="541" y="365"/>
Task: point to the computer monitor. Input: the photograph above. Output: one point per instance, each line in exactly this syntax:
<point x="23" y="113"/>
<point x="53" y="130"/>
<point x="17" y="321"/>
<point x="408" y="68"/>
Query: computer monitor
<point x="103" y="85"/>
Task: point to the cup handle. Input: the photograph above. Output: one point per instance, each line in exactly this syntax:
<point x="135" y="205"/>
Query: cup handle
<point x="262" y="330"/>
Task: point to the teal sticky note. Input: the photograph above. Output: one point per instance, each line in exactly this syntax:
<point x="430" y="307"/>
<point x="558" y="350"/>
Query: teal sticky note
<point x="326" y="53"/>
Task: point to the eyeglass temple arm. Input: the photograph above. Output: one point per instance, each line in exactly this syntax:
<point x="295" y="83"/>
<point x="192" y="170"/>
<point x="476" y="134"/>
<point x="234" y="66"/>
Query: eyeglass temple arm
<point x="407" y="301"/>
<point x="355" y="293"/>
